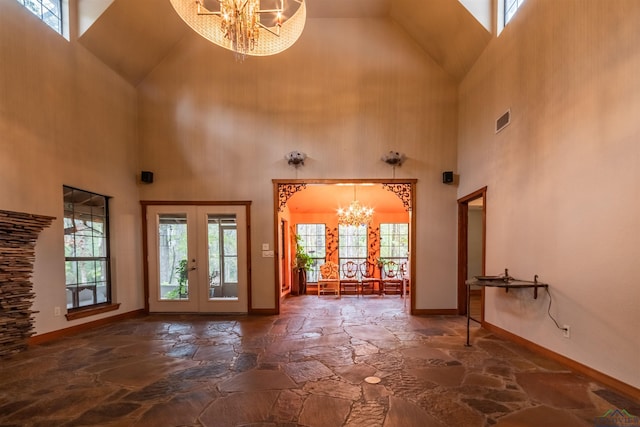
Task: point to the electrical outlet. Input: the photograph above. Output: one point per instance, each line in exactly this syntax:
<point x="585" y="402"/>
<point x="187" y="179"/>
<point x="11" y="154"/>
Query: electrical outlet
<point x="566" y="331"/>
<point x="56" y="311"/>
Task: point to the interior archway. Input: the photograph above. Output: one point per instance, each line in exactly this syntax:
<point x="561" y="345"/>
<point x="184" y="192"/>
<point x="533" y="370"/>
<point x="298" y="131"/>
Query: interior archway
<point x="393" y="200"/>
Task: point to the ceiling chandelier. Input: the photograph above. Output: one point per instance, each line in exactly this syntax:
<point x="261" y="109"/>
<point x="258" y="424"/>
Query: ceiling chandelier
<point x="242" y="26"/>
<point x="355" y="215"/>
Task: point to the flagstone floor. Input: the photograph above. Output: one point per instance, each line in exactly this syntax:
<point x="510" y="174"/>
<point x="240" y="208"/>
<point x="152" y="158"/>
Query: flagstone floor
<point x="306" y="367"/>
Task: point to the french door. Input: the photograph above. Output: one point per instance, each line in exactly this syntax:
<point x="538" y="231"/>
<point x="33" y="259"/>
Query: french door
<point x="197" y="259"/>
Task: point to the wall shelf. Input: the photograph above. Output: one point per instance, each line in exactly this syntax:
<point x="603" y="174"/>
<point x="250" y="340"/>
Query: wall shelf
<point x="506" y="282"/>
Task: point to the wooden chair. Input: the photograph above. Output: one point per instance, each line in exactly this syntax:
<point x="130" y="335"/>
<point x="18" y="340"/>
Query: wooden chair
<point x="368" y="279"/>
<point x="392" y="281"/>
<point x="349" y="282"/>
<point x="406" y="276"/>
<point x="329" y="281"/>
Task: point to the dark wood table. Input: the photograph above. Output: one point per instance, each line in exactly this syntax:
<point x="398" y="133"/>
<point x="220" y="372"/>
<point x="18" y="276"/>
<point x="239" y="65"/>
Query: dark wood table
<point x="506" y="282"/>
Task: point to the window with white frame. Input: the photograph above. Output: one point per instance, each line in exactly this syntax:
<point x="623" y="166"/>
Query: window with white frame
<point x="49" y="11"/>
<point x="86" y="248"/>
<point x="510" y="8"/>
<point x="312" y="239"/>
<point x="352" y="244"/>
<point x="394" y="242"/>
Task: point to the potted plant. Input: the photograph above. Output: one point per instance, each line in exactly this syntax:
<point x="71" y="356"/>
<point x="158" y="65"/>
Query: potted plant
<point x="181" y="291"/>
<point x="381" y="262"/>
<point x="302" y="263"/>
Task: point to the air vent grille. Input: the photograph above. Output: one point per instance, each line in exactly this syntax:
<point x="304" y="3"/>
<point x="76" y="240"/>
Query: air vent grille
<point x="503" y="121"/>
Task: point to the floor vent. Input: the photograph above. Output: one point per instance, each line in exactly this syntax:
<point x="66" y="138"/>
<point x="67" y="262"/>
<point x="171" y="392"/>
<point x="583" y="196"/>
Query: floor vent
<point x="503" y="121"/>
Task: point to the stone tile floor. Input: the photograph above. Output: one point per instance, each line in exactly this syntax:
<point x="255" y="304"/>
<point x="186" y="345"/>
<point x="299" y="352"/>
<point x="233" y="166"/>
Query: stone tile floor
<point x="306" y="367"/>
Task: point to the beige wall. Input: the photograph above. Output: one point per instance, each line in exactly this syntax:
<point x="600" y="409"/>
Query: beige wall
<point x="564" y="178"/>
<point x="347" y="92"/>
<point x="66" y="119"/>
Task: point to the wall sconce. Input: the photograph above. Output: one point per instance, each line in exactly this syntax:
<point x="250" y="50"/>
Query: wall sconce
<point x="394" y="158"/>
<point x="295" y="159"/>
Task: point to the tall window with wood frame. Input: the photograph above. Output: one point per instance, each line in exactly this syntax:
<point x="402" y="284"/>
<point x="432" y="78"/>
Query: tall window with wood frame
<point x="86" y="248"/>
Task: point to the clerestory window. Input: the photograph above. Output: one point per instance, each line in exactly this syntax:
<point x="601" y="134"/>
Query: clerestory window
<point x="49" y="11"/>
<point x="510" y="8"/>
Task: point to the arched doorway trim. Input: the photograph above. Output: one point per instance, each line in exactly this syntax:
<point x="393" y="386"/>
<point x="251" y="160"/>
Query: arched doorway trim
<point x="284" y="189"/>
<point x="404" y="193"/>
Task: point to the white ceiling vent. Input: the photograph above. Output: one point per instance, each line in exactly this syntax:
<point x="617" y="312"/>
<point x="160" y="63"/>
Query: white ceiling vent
<point x="503" y="121"/>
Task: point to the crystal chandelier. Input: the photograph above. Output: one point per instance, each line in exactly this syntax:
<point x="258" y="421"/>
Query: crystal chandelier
<point x="355" y="215"/>
<point x="238" y="25"/>
<point x="240" y="22"/>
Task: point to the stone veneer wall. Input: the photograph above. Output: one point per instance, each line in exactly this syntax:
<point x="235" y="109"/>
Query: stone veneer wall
<point x="18" y="235"/>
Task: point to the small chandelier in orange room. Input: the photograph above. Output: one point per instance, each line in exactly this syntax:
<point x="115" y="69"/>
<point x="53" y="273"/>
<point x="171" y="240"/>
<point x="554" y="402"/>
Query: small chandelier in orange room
<point x="355" y="215"/>
<point x="242" y="26"/>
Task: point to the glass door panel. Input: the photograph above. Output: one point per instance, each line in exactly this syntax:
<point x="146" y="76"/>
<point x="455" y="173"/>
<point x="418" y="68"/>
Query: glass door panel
<point x="173" y="257"/>
<point x="223" y="256"/>
<point x="225" y="249"/>
<point x="171" y="235"/>
<point x="230" y="256"/>
<point x="215" y="266"/>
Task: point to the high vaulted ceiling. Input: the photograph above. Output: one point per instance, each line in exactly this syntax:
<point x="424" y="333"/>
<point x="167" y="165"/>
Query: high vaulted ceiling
<point x="132" y="36"/>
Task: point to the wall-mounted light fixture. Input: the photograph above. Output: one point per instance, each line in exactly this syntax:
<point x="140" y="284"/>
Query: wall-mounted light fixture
<point x="394" y="158"/>
<point x="295" y="159"/>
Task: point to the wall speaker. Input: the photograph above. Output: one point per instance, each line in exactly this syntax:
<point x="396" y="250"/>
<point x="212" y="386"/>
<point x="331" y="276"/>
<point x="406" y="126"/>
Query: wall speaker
<point x="447" y="177"/>
<point x="146" y="177"/>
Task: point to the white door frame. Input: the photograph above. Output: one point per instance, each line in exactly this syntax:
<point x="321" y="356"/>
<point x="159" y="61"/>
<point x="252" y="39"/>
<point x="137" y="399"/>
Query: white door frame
<point x="197" y="214"/>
